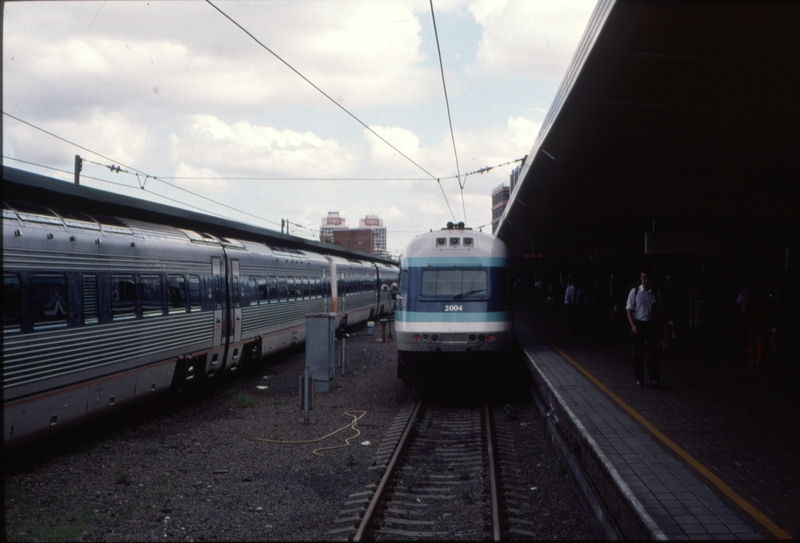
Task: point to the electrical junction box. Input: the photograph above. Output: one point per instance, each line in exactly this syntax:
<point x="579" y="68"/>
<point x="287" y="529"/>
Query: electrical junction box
<point x="321" y="349"/>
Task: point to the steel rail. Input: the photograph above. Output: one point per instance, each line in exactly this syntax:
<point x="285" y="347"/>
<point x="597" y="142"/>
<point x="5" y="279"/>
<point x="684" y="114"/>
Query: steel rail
<point x="376" y="498"/>
<point x="496" y="534"/>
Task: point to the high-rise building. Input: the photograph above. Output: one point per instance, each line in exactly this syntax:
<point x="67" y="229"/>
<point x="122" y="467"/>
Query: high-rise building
<point x="502" y="193"/>
<point x="375" y="223"/>
<point x="330" y="223"/>
<point x="500" y="197"/>
<point x="359" y="239"/>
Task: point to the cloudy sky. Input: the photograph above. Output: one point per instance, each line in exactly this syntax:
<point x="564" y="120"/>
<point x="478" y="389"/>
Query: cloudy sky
<point x="179" y="92"/>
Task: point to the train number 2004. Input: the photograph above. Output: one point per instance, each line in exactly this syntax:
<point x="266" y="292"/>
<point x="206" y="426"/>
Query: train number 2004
<point x="453" y="308"/>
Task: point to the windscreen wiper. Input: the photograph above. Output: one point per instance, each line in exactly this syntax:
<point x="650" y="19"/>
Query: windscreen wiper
<point x="462" y="294"/>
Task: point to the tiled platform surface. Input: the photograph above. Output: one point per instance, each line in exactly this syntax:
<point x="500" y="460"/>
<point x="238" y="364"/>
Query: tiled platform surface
<point x="739" y="422"/>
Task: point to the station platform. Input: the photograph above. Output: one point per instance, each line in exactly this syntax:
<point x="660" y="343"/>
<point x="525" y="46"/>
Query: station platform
<point x="712" y="454"/>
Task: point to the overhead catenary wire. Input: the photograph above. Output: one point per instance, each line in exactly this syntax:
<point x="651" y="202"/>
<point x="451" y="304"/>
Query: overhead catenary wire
<point x="116" y="168"/>
<point x="449" y="118"/>
<point x="123" y="185"/>
<point x="337" y="104"/>
<point x="72" y="143"/>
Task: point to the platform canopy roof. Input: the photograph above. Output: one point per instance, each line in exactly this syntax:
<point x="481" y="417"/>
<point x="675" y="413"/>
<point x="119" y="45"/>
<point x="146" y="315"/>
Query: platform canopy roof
<point x="678" y="116"/>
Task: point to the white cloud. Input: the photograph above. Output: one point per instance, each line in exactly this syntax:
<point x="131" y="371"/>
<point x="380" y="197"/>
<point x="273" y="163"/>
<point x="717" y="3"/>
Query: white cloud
<point x="529" y="38"/>
<point x="175" y="89"/>
<point x="263" y="151"/>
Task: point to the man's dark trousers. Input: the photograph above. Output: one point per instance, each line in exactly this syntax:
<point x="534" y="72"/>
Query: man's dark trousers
<point x="645" y="345"/>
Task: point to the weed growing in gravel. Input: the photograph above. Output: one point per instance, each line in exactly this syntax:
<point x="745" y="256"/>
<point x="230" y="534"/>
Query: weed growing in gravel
<point x="14" y="493"/>
<point x="70" y="531"/>
<point x="281" y="401"/>
<point x="123" y="478"/>
<point x="511" y="412"/>
<point x="416" y="476"/>
<point x="244" y="400"/>
<point x="351" y="459"/>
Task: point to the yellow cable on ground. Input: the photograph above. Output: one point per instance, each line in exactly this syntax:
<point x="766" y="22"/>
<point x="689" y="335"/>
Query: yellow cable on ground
<point x="352" y="426"/>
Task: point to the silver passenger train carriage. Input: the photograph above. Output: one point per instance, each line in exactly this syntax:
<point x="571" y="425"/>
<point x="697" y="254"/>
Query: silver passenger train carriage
<point x="99" y="311"/>
<point x="453" y="298"/>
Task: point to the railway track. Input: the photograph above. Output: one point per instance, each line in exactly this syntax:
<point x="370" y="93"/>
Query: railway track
<point x="439" y="482"/>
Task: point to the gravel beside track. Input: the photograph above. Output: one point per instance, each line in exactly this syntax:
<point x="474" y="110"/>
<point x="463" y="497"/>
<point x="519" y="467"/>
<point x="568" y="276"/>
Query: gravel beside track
<point x="181" y="468"/>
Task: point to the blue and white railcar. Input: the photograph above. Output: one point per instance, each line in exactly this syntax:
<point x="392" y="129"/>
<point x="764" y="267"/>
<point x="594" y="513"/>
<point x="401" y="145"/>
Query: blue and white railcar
<point x="453" y="295"/>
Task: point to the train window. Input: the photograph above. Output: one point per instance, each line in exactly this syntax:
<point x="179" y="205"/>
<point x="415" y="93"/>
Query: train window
<point x="282" y="295"/>
<point x="263" y="290"/>
<point x="251" y="294"/>
<point x="453" y="283"/>
<point x="217" y="293"/>
<point x="89" y="299"/>
<point x="273" y="289"/>
<point x="12" y="302"/>
<point x="151" y="295"/>
<point x="176" y="293"/>
<point x="236" y="291"/>
<point x="48" y="300"/>
<point x="123" y="297"/>
<point x="195" y="301"/>
<point x="306" y="288"/>
<point x="473" y="283"/>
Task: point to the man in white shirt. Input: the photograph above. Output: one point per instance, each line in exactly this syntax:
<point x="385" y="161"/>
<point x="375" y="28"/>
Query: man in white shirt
<point x="646" y="317"/>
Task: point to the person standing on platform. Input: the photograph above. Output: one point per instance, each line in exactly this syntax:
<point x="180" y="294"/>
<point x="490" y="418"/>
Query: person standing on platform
<point x="646" y="317"/>
<point x="573" y="301"/>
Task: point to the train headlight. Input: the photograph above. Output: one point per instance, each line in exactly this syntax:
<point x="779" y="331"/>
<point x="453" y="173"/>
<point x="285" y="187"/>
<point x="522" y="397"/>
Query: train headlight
<point x="490" y="338"/>
<point x="435" y="337"/>
<point x="416" y="337"/>
<point x="482" y="337"/>
<point x="472" y="337"/>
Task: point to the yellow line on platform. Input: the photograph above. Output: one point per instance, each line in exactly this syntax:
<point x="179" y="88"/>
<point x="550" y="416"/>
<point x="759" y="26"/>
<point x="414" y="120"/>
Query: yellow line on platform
<point x="719" y="483"/>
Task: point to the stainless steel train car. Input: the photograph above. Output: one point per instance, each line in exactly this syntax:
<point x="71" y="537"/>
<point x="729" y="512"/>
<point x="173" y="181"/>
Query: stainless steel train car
<point x="100" y="311"/>
<point x="453" y="298"/>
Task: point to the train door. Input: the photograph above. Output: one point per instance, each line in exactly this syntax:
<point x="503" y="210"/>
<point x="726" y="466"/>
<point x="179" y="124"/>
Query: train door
<point x="216" y="358"/>
<point x="236" y="328"/>
<point x="324" y="292"/>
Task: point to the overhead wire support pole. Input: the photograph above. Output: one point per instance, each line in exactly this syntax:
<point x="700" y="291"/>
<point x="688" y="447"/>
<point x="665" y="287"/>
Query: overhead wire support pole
<point x="78" y="168"/>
